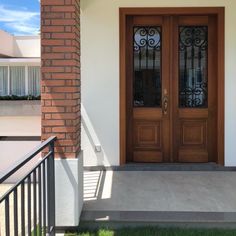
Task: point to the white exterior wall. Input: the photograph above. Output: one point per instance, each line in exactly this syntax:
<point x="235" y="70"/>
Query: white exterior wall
<point x="6" y="46"/>
<point x="27" y="46"/>
<point x="20" y="126"/>
<point x="100" y="74"/>
<point x="18" y="118"/>
<point x="19" y="46"/>
<point x="19" y="108"/>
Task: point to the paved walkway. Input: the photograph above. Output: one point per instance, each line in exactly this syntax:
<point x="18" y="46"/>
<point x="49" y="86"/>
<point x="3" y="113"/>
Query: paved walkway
<point x="160" y="191"/>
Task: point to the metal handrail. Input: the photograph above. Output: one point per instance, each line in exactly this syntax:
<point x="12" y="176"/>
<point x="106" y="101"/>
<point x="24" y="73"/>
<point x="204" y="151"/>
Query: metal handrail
<point x="39" y="197"/>
<point x="24" y="178"/>
<point x="26" y="158"/>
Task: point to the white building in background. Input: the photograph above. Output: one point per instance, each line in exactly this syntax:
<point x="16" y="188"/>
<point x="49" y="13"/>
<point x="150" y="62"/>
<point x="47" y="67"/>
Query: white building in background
<point x="19" y="65"/>
<point x="20" y="115"/>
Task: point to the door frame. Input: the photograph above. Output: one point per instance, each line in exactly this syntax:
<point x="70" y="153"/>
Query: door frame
<point x="219" y="12"/>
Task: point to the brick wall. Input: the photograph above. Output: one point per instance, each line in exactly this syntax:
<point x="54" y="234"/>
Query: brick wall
<point x="60" y="40"/>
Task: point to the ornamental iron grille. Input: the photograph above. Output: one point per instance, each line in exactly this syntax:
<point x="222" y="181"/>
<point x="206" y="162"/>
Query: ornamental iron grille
<point x="193" y="54"/>
<point x="147" y="66"/>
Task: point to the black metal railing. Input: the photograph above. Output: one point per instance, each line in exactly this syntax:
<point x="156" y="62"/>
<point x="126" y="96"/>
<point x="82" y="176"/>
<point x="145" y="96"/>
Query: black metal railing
<point x="29" y="205"/>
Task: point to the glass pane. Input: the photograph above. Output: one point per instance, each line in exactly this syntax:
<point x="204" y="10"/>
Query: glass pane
<point x="3" y="80"/>
<point x="34" y="80"/>
<point x="17" y="80"/>
<point x="193" y="53"/>
<point x="147" y="66"/>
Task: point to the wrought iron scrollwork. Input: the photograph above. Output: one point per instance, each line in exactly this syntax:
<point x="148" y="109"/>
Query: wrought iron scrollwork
<point x="193" y="82"/>
<point x="147" y="37"/>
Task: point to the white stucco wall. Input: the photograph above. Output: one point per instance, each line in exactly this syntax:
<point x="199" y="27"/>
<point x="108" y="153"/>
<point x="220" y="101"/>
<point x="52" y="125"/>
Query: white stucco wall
<point x="17" y="118"/>
<point x="19" y="46"/>
<point x="20" y="126"/>
<point x="27" y="46"/>
<point x="100" y="74"/>
<point x="6" y="46"/>
<point x="18" y="108"/>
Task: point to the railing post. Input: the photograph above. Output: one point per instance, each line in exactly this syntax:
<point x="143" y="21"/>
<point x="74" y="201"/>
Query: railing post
<point x="51" y="190"/>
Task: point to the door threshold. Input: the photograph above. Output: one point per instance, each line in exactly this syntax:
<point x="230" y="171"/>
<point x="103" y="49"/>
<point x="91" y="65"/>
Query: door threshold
<point x="163" y="167"/>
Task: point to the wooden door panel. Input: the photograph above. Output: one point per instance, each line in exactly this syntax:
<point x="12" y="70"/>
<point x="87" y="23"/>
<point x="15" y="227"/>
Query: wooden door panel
<point x="193" y="20"/>
<point x="147" y="134"/>
<point x="193" y="133"/>
<point x="193" y="141"/>
<point x="147" y="141"/>
<point x="148" y="20"/>
<point x="148" y="156"/>
<point x="197" y="156"/>
<point x="196" y="113"/>
<point x="147" y="113"/>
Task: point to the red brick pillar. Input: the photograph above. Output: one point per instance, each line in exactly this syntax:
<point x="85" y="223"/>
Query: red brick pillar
<point x="60" y="40"/>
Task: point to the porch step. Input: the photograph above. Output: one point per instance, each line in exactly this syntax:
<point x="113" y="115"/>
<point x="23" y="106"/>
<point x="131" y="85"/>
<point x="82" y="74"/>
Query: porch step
<point x="117" y="219"/>
<point x="163" y="167"/>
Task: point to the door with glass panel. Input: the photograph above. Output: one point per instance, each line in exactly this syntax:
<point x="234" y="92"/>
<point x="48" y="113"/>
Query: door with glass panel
<point x="171" y="94"/>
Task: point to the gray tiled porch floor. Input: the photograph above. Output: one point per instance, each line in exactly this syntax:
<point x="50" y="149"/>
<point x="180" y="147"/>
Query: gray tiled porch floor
<point x="190" y="191"/>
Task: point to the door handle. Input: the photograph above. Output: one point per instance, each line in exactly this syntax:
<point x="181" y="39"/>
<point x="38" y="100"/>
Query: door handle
<point x="165" y="105"/>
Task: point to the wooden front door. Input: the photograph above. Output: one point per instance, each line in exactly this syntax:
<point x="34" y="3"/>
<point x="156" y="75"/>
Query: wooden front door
<point x="171" y="88"/>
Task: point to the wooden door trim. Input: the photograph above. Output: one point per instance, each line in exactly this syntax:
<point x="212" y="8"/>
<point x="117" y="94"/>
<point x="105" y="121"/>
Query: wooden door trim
<point x="219" y="12"/>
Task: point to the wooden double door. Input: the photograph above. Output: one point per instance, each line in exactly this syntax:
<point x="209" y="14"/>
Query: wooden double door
<point x="171" y="88"/>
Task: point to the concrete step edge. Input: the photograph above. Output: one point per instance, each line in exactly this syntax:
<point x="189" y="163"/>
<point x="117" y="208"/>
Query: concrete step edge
<point x="159" y="216"/>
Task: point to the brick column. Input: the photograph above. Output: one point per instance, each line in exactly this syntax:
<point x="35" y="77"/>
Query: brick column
<point x="60" y="40"/>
